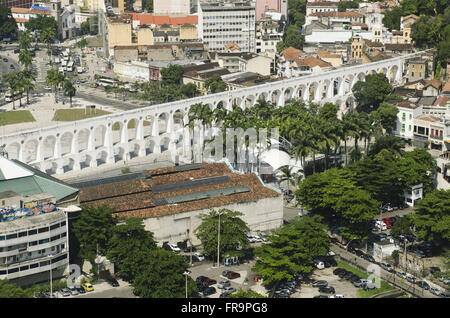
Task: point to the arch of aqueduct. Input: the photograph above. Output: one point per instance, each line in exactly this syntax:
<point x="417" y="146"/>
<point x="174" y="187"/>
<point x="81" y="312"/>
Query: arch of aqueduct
<point x="160" y="128"/>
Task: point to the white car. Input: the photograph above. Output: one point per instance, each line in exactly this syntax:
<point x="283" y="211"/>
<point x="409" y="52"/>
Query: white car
<point x="174" y="248"/>
<point x="223" y="284"/>
<point x="48" y="88"/>
<point x="386" y="266"/>
<point x="257" y="238"/>
<point x="199" y="256"/>
<point x="251" y="239"/>
<point x="336" y="296"/>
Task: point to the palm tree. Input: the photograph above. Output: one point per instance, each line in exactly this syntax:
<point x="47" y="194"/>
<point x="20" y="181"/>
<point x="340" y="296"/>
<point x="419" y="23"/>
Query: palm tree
<point x="13" y="84"/>
<point x="69" y="89"/>
<point x="55" y="79"/>
<point x="25" y="40"/>
<point x="25" y="58"/>
<point x="27" y="79"/>
<point x="47" y="36"/>
<point x="288" y="176"/>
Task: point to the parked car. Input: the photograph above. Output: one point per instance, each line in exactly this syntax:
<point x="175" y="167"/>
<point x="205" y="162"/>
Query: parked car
<point x="80" y="290"/>
<point x="348" y="275"/>
<point x="319" y="264"/>
<point x="113" y="282"/>
<point x="321" y="296"/>
<point x="73" y="291"/>
<point x="319" y="283"/>
<point x="445" y="294"/>
<point x="199" y="256"/>
<point x="359" y="253"/>
<point x="65" y="292"/>
<point x="87" y="287"/>
<point x="174" y="248"/>
<point x="410" y="278"/>
<point x="338" y="270"/>
<point x="343" y="273"/>
<point x="224" y="283"/>
<point x="233" y="275"/>
<point x="369" y="286"/>
<point x="435" y="291"/>
<point x="201" y="279"/>
<point x="225" y="273"/>
<point x="423" y="284"/>
<point x="386" y="266"/>
<point x="229" y="289"/>
<point x="434" y="269"/>
<point x="327" y="289"/>
<point x="336" y="296"/>
<point x="369" y="258"/>
<point x="209" y="281"/>
<point x="401" y="274"/>
<point x="5" y="59"/>
<point x="11" y="66"/>
<point x="209" y="291"/>
<point x="355" y="278"/>
<point x="360" y="283"/>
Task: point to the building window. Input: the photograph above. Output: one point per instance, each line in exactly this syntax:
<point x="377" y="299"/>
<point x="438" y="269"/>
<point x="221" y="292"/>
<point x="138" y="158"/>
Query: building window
<point x="403" y="128"/>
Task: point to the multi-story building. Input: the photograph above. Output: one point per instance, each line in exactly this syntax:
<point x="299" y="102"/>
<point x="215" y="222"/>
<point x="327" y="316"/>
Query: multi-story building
<point x="321" y="6"/>
<point x="221" y="23"/>
<point x="357" y="47"/>
<point x="279" y="6"/>
<point x="23" y="15"/>
<point x="245" y="62"/>
<point x="416" y="69"/>
<point x="18" y="3"/>
<point x="33" y="224"/>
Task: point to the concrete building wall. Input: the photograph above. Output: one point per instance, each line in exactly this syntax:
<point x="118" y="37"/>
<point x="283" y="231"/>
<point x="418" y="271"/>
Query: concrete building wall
<point x="171" y="7"/>
<point x="119" y="34"/>
<point x="145" y="36"/>
<point x="188" y="32"/>
<point x="265" y="214"/>
<point x="134" y="70"/>
<point x="126" y="55"/>
<point x="263" y="5"/>
<point x="260" y="65"/>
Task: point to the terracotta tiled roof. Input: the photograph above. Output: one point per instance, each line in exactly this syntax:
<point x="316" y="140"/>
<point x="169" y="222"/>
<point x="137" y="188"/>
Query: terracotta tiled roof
<point x="398" y="47"/>
<point x="396" y="32"/>
<point x="373" y="44"/>
<point x="347" y="14"/>
<point x="28" y="11"/>
<point x="435" y="83"/>
<point x="311" y="61"/>
<point x="20" y="10"/>
<point x="325" y="54"/>
<point x="291" y="53"/>
<point x="406" y="104"/>
<point x="410" y="16"/>
<point x="132" y="201"/>
<point x="446" y="87"/>
<point x="362" y="25"/>
<point x="163" y="19"/>
<point x="442" y="101"/>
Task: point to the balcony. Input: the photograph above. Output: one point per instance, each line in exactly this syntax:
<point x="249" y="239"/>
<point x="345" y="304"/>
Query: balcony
<point x="438" y="137"/>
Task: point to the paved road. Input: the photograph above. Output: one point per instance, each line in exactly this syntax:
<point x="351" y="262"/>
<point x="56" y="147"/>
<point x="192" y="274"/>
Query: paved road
<point x="385" y="275"/>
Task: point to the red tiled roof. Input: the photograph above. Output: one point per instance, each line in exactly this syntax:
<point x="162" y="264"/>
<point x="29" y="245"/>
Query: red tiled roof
<point x="441" y="101"/>
<point x="435" y="83"/>
<point x="446" y="87"/>
<point x="28" y="11"/>
<point x="132" y="201"/>
<point x="311" y="61"/>
<point x="146" y="18"/>
<point x="291" y="53"/>
<point x="20" y="20"/>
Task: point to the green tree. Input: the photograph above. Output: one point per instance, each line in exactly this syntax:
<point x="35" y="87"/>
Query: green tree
<point x="47" y="36"/>
<point x="42" y="22"/>
<point x="391" y="19"/>
<point x="56" y="79"/>
<point x="130" y="243"/>
<point x="431" y="217"/>
<point x="291" y="250"/>
<point x="372" y="92"/>
<point x="69" y="89"/>
<point x="25" y="40"/>
<point x="215" y="84"/>
<point x="93" y="230"/>
<point x="245" y="294"/>
<point x="233" y="232"/>
<point x="425" y="31"/>
<point x="11" y="290"/>
<point x="148" y="6"/>
<point x="386" y="116"/>
<point x="13" y="84"/>
<point x="27" y="82"/>
<point x="172" y="74"/>
<point x="391" y="143"/>
<point x="294" y="37"/>
<point x="403" y="226"/>
<point x="8" y="24"/>
<point x="161" y="276"/>
<point x="189" y="90"/>
<point x="344" y="5"/>
<point x="25" y="58"/>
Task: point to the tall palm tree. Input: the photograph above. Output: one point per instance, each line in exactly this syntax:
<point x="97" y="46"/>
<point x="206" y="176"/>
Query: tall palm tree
<point x="69" y="89"/>
<point x="288" y="176"/>
<point x="47" y="36"/>
<point x="25" y="40"/>
<point x="55" y="79"/>
<point x="12" y="81"/>
<point x="27" y="79"/>
<point x="25" y="58"/>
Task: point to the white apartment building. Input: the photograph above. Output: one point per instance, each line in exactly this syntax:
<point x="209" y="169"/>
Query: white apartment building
<point x="225" y="22"/>
<point x="171" y="7"/>
<point x="321" y="6"/>
<point x="407" y="111"/>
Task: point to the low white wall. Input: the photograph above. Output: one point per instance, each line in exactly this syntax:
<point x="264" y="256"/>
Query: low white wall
<point x="261" y="215"/>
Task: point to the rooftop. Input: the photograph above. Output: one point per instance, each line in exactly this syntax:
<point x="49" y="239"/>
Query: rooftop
<point x="347" y="14"/>
<point x="166" y="191"/>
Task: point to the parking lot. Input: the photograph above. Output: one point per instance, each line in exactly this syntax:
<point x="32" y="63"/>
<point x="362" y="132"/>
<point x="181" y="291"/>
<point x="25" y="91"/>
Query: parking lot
<point x="341" y="286"/>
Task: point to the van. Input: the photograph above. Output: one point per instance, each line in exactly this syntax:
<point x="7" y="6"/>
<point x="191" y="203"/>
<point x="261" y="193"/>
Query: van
<point x="319" y="264"/>
<point x="380" y="225"/>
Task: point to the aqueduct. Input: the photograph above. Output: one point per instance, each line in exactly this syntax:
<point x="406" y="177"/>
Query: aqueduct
<point x="160" y="128"/>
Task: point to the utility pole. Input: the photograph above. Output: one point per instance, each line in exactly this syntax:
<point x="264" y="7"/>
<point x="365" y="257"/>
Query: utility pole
<point x="218" y="244"/>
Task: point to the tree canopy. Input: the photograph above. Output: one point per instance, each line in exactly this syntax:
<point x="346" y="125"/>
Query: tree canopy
<point x="372" y="92"/>
<point x="8" y="24"/>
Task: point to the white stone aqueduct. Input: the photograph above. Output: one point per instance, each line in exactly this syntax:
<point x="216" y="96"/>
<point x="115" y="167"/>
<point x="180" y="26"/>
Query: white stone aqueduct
<point x="159" y="128"/>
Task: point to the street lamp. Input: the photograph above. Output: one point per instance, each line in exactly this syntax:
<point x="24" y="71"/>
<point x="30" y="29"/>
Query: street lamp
<point x="51" y="278"/>
<point x="186" y="273"/>
<point x="218" y="243"/>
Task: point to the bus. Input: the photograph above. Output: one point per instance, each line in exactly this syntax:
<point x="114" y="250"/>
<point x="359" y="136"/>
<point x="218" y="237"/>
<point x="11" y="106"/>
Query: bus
<point x="106" y="82"/>
<point x="69" y="66"/>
